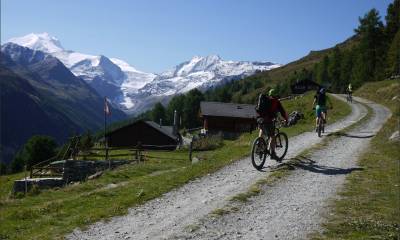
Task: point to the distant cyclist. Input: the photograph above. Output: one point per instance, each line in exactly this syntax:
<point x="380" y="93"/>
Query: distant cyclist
<point x="349" y="91"/>
<point x="320" y="100"/>
<point x="268" y="114"/>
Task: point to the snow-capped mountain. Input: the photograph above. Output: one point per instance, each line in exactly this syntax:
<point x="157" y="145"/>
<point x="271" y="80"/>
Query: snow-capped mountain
<point x="133" y="90"/>
<point x="41" y="41"/>
<point x="110" y="77"/>
<point x="199" y="72"/>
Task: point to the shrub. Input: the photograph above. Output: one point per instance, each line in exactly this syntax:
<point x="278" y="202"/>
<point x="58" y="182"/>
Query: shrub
<point x="39" y="148"/>
<point x="209" y="142"/>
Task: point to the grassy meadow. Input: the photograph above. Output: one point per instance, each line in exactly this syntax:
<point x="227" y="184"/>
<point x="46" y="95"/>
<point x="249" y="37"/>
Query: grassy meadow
<point x="50" y="214"/>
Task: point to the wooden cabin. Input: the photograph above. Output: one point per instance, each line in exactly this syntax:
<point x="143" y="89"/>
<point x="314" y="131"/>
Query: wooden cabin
<point x="147" y="133"/>
<point x="228" y="117"/>
<point x="303" y="86"/>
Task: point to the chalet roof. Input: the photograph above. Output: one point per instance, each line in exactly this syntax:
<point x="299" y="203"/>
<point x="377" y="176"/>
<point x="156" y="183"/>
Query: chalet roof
<point x="166" y="130"/>
<point x="233" y="110"/>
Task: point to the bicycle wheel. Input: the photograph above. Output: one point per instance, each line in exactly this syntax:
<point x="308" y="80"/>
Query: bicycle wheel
<point x="259" y="153"/>
<point x="319" y="127"/>
<point x="282" y="144"/>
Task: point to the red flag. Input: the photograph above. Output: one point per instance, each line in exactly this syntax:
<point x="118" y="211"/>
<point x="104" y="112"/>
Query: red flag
<point x="107" y="109"/>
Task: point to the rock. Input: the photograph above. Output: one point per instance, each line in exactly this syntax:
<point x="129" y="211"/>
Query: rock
<point x="395" y="136"/>
<point x="195" y="160"/>
<point x="96" y="175"/>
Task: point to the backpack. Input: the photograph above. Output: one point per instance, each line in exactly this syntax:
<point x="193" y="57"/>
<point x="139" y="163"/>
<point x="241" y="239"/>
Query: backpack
<point x="263" y="104"/>
<point x="321" y="99"/>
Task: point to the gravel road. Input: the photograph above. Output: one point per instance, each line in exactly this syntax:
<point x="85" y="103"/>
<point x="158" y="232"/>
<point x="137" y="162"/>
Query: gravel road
<point x="287" y="211"/>
<point x="296" y="207"/>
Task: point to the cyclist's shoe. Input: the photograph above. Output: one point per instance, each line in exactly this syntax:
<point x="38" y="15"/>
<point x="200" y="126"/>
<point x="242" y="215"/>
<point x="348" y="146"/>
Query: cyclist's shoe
<point x="274" y="157"/>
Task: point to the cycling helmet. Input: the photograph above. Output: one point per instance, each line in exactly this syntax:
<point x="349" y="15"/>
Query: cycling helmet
<point x="322" y="90"/>
<point x="273" y="93"/>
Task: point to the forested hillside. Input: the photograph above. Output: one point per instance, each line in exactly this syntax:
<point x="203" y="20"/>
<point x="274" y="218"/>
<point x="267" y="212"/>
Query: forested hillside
<point x="371" y="54"/>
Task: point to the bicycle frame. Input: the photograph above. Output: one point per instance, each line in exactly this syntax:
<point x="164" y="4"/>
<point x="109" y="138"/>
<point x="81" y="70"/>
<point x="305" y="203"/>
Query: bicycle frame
<point x="278" y="123"/>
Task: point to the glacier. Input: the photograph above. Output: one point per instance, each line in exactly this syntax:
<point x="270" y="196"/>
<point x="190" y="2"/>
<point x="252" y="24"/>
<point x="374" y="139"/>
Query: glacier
<point x="134" y="91"/>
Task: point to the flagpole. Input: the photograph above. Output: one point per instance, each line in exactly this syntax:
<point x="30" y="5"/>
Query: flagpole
<point x="105" y="124"/>
<point x="106" y="112"/>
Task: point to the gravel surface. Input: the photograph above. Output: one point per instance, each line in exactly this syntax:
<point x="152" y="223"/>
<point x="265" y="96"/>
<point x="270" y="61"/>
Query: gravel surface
<point x="296" y="206"/>
<point x="169" y="215"/>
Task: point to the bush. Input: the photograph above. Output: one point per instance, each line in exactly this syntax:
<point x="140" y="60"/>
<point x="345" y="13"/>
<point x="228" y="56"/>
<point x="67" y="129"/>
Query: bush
<point x="3" y="168"/>
<point x="19" y="161"/>
<point x="38" y="149"/>
<point x="210" y="142"/>
<point x="86" y="142"/>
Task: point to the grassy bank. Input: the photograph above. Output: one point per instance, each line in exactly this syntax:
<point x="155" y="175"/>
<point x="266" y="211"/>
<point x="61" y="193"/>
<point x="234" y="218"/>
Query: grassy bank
<point x="369" y="206"/>
<point x="53" y="213"/>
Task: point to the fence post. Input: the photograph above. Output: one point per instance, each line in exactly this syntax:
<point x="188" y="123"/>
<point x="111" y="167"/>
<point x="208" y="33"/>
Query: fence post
<point x="190" y="150"/>
<point x="107" y="158"/>
<point x="26" y="183"/>
<point x="140" y="152"/>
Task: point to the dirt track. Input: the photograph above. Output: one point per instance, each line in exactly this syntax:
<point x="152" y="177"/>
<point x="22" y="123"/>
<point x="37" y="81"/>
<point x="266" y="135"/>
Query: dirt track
<point x="290" y="210"/>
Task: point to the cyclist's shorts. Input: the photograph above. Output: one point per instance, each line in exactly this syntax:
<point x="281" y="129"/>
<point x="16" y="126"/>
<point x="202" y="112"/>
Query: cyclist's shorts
<point x="320" y="109"/>
<point x="269" y="129"/>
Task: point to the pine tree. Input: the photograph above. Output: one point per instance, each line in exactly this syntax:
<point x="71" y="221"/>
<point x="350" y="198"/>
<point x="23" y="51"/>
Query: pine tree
<point x="158" y="112"/>
<point x="371" y="47"/>
<point x="346" y="70"/>
<point x="3" y="168"/>
<point x="192" y="108"/>
<point x="19" y="161"/>
<point x="322" y="72"/>
<point x="393" y="57"/>
<point x="334" y="70"/>
<point x="225" y="95"/>
<point x="392" y="20"/>
<point x="177" y="103"/>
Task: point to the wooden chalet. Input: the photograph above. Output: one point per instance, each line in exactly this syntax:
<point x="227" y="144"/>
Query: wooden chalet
<point x="228" y="117"/>
<point x="148" y="134"/>
<point x="303" y="86"/>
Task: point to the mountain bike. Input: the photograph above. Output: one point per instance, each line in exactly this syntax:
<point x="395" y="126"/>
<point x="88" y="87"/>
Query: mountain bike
<point x="321" y="123"/>
<point x="349" y="98"/>
<point x="320" y="126"/>
<point x="260" y="148"/>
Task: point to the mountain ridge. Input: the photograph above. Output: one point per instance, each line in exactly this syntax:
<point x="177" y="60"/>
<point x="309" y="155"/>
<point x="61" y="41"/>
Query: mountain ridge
<point x="52" y="101"/>
<point x="135" y="91"/>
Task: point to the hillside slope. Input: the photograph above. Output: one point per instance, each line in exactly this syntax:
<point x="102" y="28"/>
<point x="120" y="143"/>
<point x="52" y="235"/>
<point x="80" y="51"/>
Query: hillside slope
<point x="57" y="103"/>
<point x="25" y="112"/>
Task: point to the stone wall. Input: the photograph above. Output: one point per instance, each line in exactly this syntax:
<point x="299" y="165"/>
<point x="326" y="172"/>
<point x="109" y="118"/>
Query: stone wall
<point x="73" y="171"/>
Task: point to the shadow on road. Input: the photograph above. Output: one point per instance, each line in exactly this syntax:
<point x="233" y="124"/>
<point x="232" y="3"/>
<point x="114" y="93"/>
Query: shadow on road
<point x="308" y="164"/>
<point x="341" y="134"/>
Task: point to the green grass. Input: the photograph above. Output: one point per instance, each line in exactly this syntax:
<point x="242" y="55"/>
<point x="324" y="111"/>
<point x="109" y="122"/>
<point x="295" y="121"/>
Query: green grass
<point x="369" y="206"/>
<point x="50" y="214"/>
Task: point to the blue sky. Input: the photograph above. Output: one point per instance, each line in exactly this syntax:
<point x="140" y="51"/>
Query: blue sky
<point x="156" y="35"/>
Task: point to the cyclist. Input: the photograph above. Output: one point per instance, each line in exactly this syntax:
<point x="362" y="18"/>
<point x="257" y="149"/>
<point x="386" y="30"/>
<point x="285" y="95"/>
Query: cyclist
<point x="349" y="91"/>
<point x="268" y="117"/>
<point x="319" y="103"/>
